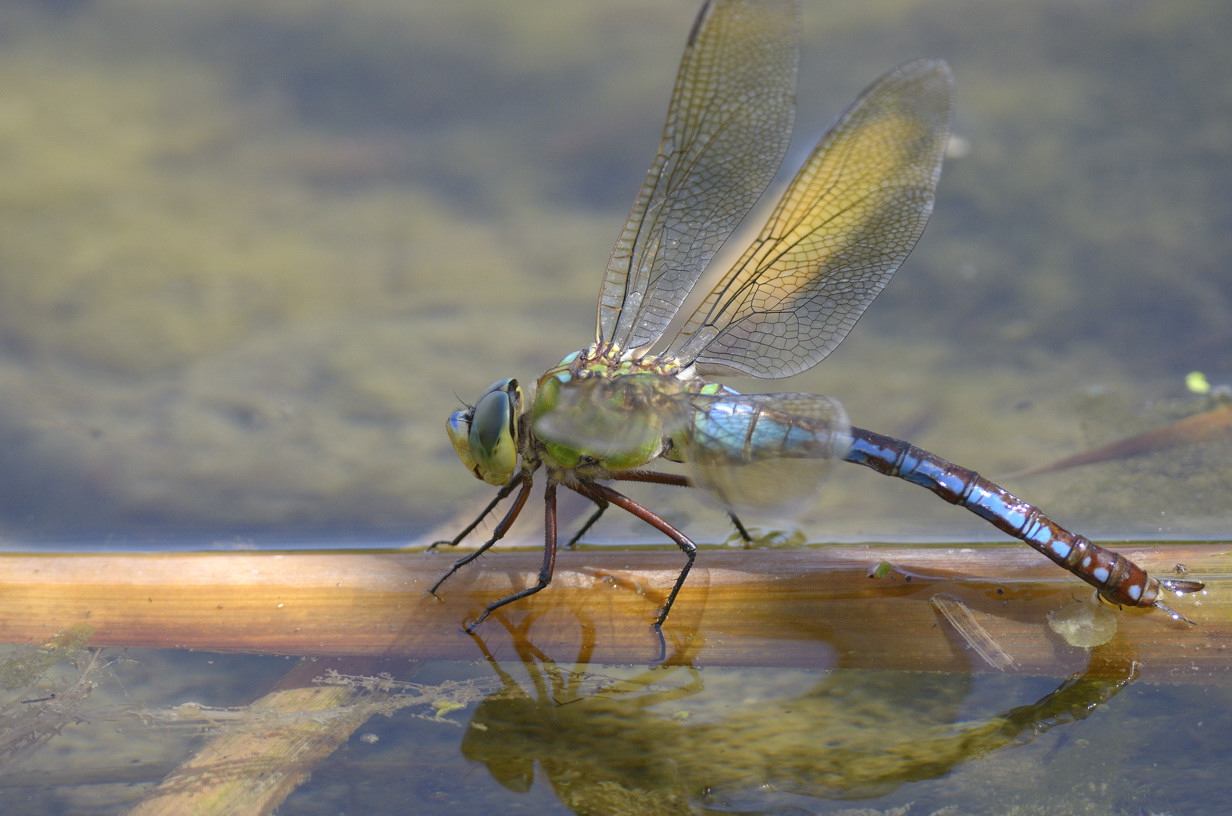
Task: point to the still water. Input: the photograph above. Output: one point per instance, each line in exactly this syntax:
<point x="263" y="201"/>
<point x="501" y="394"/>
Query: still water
<point x="253" y="254"/>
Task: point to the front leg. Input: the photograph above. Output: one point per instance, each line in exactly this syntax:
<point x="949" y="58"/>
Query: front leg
<point x="501" y="529"/>
<point x="549" y="555"/>
<point x="501" y="495"/>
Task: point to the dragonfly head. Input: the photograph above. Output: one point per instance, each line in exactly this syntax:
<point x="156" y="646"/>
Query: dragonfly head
<point x="485" y="435"/>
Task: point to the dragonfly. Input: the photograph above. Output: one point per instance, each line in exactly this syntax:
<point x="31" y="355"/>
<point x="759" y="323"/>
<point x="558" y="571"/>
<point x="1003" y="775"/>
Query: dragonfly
<point x="639" y="394"/>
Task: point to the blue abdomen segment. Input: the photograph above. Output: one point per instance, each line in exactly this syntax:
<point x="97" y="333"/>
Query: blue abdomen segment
<point x="762" y="453"/>
<point x="1117" y="578"/>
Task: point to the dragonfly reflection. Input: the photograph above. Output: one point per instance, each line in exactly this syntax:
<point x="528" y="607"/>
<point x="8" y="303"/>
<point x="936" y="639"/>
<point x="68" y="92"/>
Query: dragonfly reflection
<point x="661" y="742"/>
<point x="638" y="394"/>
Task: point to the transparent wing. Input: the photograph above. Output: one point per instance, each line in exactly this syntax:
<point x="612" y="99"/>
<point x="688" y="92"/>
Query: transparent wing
<point x="759" y="453"/>
<point x="849" y="218"/>
<point x="620" y="421"/>
<point x="727" y="129"/>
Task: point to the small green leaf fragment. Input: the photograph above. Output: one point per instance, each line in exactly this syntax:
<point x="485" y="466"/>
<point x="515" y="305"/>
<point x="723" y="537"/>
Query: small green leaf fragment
<point x="1197" y="383"/>
<point x="882" y="569"/>
<point x="446" y="707"/>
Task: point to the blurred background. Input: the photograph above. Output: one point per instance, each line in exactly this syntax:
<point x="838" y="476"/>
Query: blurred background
<point x="252" y="254"/>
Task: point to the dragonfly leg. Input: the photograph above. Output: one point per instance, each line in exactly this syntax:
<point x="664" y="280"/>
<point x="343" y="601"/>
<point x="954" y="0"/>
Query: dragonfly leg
<point x="739" y="525"/>
<point x="549" y="555"/>
<point x="680" y="481"/>
<point x="590" y="522"/>
<point x="501" y="495"/>
<point x="686" y="545"/>
<point x="503" y="527"/>
<point x="628" y="476"/>
<point x="654" y="477"/>
<point x="1117" y="578"/>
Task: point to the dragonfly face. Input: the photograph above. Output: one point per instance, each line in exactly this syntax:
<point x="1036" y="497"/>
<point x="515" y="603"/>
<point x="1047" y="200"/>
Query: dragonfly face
<point x="485" y="435"/>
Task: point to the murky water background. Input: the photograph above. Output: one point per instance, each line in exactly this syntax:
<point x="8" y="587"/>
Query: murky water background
<point x="252" y="254"/>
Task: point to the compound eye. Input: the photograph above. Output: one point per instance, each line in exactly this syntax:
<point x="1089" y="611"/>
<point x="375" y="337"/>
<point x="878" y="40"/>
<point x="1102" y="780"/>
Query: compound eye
<point x="491" y="432"/>
<point x="459" y="429"/>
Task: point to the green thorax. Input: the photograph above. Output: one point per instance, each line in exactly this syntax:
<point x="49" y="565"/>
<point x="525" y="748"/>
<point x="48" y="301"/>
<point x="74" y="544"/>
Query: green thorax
<point x="596" y="412"/>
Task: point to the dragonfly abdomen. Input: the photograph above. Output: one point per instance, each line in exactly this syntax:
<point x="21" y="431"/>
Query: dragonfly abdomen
<point x="761" y="453"/>
<point x="1116" y="577"/>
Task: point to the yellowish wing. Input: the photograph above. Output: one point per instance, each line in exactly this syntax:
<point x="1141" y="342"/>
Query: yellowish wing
<point x="846" y="222"/>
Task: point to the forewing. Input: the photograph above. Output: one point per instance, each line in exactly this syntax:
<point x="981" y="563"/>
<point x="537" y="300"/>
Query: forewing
<point x="760" y="453"/>
<point x="727" y="129"/>
<point x="846" y="222"/>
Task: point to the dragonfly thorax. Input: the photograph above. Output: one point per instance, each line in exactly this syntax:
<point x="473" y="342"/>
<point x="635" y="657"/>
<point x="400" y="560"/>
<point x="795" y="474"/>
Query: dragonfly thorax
<point x="593" y="416"/>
